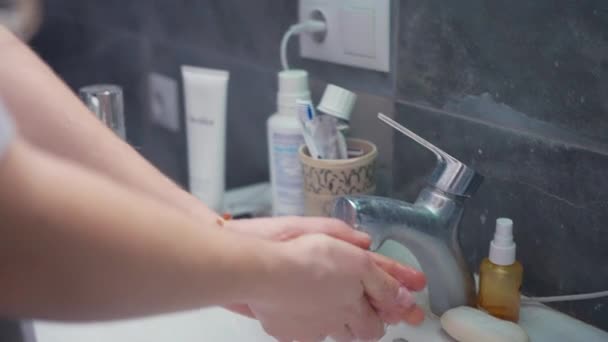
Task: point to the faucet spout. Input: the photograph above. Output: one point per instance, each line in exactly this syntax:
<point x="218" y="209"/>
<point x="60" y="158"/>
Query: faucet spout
<point x="429" y="229"/>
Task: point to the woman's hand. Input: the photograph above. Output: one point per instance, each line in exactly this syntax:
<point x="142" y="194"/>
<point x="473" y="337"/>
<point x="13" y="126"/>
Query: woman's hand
<point x="289" y="228"/>
<point x="319" y="286"/>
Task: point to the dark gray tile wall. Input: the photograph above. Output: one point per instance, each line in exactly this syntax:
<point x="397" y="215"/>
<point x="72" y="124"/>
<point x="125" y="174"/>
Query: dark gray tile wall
<point x="11" y="331"/>
<point x="517" y="91"/>
<point x="542" y="58"/>
<point x="514" y="89"/>
<point x="557" y="195"/>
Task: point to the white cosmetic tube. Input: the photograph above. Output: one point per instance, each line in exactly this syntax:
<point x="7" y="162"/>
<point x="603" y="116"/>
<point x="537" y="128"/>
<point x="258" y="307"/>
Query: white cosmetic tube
<point x="205" y="93"/>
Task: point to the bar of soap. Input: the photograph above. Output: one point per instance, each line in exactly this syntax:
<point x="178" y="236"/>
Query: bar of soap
<point x="466" y="324"/>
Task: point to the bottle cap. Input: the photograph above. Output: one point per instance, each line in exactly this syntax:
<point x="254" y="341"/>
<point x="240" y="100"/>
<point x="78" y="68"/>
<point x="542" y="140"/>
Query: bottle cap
<point x="502" y="248"/>
<point x="338" y="102"/>
<point x="293" y="86"/>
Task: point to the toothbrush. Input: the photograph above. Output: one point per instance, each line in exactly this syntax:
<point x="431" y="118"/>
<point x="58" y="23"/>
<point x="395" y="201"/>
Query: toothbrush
<point x="321" y="133"/>
<point x="307" y="115"/>
<point x="342" y="147"/>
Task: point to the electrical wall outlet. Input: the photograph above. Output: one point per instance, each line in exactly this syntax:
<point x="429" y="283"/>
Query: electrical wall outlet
<point x="358" y="32"/>
<point x="164" y="105"/>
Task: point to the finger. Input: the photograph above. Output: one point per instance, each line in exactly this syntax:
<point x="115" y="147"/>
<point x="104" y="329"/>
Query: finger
<point x="393" y="317"/>
<point x="332" y="227"/>
<point x="415" y="316"/>
<point x="344" y="334"/>
<point x="241" y="309"/>
<point x="404" y="302"/>
<point x="366" y="325"/>
<point x="406" y="275"/>
<point x="385" y="293"/>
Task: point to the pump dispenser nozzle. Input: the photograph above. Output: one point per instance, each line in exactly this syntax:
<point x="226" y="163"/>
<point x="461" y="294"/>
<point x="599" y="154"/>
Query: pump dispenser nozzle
<point x="500" y="275"/>
<point x="503" y="248"/>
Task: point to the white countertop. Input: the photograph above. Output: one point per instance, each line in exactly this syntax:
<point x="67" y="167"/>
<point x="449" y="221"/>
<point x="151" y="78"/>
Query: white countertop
<point x="542" y="325"/>
<point x="216" y="325"/>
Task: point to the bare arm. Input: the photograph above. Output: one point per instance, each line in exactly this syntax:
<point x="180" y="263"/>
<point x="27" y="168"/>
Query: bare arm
<point x="78" y="246"/>
<point x="53" y="119"/>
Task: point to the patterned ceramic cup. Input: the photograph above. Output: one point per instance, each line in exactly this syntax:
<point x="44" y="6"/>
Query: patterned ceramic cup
<point x="326" y="180"/>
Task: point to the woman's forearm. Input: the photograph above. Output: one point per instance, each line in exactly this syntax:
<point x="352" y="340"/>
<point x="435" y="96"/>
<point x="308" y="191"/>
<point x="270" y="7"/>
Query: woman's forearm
<point x="76" y="246"/>
<point x="53" y="119"/>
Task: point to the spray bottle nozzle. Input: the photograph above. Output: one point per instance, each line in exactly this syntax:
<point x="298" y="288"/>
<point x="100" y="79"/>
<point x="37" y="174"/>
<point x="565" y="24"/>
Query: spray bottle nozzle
<point x="504" y="232"/>
<point x="502" y="248"/>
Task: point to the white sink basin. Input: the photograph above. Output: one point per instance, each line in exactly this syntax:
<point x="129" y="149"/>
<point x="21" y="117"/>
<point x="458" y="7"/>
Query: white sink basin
<point x="541" y="323"/>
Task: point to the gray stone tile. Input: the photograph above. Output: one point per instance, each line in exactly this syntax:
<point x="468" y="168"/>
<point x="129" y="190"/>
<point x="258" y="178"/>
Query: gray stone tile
<point x="10" y="331"/>
<point x="542" y="58"/>
<point x="84" y="55"/>
<point x="557" y="195"/>
<point x="166" y="151"/>
<point x="249" y="30"/>
<point x="367" y="81"/>
<point x="131" y="15"/>
<point x="67" y="9"/>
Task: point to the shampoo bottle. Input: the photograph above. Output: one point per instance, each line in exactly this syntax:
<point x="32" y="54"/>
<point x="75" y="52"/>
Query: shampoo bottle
<point x="500" y="275"/>
<point x="284" y="140"/>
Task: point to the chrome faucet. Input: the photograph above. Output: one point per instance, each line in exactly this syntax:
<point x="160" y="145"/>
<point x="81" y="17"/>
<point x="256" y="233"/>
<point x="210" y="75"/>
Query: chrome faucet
<point x="106" y="102"/>
<point x="429" y="227"/>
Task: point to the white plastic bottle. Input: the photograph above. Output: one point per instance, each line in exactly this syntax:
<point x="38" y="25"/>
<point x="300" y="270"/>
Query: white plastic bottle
<point x="284" y="140"/>
<point x="205" y="93"/>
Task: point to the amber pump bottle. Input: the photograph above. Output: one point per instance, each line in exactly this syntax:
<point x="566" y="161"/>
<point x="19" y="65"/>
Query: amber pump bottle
<point x="500" y="275"/>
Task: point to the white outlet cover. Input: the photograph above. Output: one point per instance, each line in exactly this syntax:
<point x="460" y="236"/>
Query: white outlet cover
<point x="164" y="106"/>
<point x="358" y="33"/>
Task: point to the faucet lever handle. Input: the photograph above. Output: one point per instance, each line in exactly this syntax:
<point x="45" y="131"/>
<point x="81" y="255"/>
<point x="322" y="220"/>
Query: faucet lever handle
<point x="451" y="175"/>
